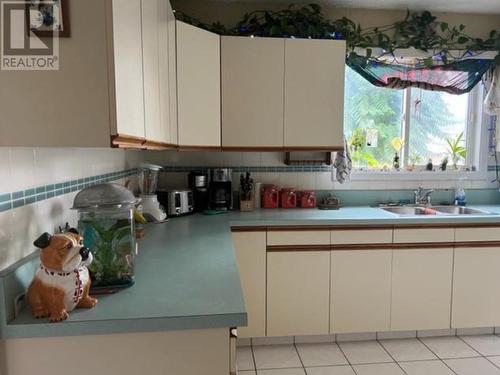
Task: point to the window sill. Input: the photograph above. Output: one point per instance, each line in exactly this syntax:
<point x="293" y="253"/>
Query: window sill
<point x="371" y="175"/>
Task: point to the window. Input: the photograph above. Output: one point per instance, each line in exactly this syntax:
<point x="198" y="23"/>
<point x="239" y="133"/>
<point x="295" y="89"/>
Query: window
<point x="415" y="124"/>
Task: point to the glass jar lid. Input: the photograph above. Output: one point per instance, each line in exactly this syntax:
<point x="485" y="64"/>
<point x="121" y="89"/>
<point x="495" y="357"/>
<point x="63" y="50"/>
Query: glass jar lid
<point x="104" y="196"/>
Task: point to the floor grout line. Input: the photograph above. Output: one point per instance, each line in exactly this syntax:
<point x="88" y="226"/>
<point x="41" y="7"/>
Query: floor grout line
<point x="346" y="358"/>
<point x="390" y="355"/>
<point x="470" y="346"/>
<point x="253" y="357"/>
<point x="298" y="355"/>
<point x="477" y="351"/>
<point x="438" y="357"/>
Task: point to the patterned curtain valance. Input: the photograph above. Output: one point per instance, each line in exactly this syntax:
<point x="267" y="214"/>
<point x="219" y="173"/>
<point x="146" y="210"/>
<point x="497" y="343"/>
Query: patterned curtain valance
<point x="457" y="77"/>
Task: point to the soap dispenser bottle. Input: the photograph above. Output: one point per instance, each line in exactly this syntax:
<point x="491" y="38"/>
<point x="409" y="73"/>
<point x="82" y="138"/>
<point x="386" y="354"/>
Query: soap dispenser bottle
<point x="460" y="199"/>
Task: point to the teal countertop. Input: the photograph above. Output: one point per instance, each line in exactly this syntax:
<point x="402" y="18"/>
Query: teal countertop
<point x="186" y="274"/>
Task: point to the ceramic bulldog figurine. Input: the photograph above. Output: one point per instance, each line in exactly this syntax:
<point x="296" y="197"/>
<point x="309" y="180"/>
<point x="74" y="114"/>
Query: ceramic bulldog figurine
<point x="62" y="282"/>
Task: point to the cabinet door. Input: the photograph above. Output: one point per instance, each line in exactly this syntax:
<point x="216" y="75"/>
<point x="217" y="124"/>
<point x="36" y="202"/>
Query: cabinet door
<point x="172" y="73"/>
<point x="360" y="291"/>
<point x="163" y="71"/>
<point x="421" y="289"/>
<point x="129" y="82"/>
<point x="252" y="92"/>
<point x="476" y="282"/>
<point x="151" y="68"/>
<point x="298" y="293"/>
<point x="314" y="93"/>
<point x="198" y="85"/>
<point x="250" y="250"/>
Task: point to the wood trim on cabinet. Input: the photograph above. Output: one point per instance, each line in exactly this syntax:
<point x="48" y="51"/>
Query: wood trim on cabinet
<point x="127" y="141"/>
<point x="198" y="148"/>
<point x="381" y="246"/>
<point x="282" y="148"/>
<point x="293" y="228"/>
<point x="292" y="248"/>
<point x="298" y="228"/>
<point x="375" y="246"/>
<point x="477" y="244"/>
<point x="422" y="245"/>
<point x="361" y="227"/>
<point x="314" y="148"/>
<point x="153" y="145"/>
<point x="253" y="148"/>
<point x="236" y="229"/>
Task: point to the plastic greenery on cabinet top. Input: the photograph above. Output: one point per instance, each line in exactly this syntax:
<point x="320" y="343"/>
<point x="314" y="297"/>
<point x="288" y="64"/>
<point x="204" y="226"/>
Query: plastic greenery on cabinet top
<point x="417" y="30"/>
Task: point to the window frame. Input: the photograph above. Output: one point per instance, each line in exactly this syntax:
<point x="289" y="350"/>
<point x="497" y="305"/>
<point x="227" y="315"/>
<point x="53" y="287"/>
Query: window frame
<point x="476" y="139"/>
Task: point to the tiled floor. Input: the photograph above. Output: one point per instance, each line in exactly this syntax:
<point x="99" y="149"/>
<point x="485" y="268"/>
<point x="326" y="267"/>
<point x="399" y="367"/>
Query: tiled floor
<point x="464" y="355"/>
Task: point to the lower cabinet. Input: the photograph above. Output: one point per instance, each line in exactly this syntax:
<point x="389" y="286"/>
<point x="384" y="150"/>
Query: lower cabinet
<point x="421" y="289"/>
<point x="250" y="250"/>
<point x="298" y="293"/>
<point x="294" y="283"/>
<point x="186" y="352"/>
<point x="360" y="291"/>
<point x="476" y="283"/>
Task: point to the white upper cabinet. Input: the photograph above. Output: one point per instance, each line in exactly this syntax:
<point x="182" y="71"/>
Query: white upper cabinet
<point x="164" y="73"/>
<point x="198" y="87"/>
<point x="314" y="93"/>
<point x="282" y="93"/>
<point x="172" y="74"/>
<point x="151" y="57"/>
<point x="252" y="92"/>
<point x="128" y="73"/>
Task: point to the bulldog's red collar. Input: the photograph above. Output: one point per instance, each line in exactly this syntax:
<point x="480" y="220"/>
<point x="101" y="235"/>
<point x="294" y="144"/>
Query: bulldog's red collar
<point x="50" y="272"/>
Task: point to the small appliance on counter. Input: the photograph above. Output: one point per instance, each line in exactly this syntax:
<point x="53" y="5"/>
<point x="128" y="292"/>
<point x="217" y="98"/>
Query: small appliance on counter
<point x="307" y="199"/>
<point x="330" y="202"/>
<point x="106" y="222"/>
<point x="152" y="210"/>
<point x="178" y="202"/>
<point x="288" y="197"/>
<point x="198" y="183"/>
<point x="270" y="196"/>
<point x="220" y="190"/>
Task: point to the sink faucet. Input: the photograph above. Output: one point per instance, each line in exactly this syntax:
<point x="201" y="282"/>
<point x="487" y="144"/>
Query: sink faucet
<point x="423" y="196"/>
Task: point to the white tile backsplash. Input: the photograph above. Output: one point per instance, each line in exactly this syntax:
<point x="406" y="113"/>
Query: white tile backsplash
<point x="25" y="168"/>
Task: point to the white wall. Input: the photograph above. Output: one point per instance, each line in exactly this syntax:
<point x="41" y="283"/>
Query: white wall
<point x="24" y="168"/>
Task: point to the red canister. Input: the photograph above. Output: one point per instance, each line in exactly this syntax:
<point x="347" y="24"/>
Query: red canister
<point x="270" y="196"/>
<point x="288" y="197"/>
<point x="307" y="199"/>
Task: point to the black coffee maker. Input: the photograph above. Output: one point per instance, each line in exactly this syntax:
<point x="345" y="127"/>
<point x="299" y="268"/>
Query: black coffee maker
<point x="220" y="190"/>
<point x="198" y="183"/>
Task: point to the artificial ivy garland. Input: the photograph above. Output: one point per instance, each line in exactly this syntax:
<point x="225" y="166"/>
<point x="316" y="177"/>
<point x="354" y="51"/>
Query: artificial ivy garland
<point x="418" y="30"/>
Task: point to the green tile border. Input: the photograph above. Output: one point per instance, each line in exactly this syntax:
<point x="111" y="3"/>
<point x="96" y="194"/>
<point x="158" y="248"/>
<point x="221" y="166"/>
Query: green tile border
<point x="240" y="169"/>
<point x="9" y="201"/>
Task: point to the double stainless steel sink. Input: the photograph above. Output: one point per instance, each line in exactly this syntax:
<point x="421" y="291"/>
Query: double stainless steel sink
<point x="435" y="210"/>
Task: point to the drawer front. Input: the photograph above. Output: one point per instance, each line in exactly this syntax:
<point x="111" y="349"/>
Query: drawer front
<point x="422" y="235"/>
<point x="477" y="234"/>
<point x="363" y="236"/>
<point x="298" y="237"/>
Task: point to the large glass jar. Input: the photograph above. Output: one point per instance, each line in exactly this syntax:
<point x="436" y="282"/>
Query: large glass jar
<point x="109" y="234"/>
<point x="106" y="222"/>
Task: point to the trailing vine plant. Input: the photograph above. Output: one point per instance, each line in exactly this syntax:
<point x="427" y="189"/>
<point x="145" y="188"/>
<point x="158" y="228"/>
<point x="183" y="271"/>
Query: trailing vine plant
<point x="418" y="30"/>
